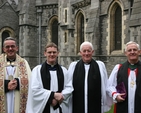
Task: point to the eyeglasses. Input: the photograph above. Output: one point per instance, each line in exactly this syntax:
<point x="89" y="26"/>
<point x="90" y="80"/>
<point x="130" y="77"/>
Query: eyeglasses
<point x="11" y="46"/>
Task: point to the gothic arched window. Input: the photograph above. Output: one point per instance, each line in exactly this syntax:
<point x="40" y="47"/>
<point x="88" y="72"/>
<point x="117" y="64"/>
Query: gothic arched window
<point x="115" y="28"/>
<point x="4" y="35"/>
<point x="80" y="30"/>
<point x="54" y="31"/>
<point x="118" y="28"/>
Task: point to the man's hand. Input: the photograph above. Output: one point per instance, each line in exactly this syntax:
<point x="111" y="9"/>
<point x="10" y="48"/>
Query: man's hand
<point x="119" y="97"/>
<point x="54" y="102"/>
<point x="58" y="97"/>
<point x="12" y="85"/>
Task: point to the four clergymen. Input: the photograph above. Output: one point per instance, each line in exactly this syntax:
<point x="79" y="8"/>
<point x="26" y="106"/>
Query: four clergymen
<point x="82" y="88"/>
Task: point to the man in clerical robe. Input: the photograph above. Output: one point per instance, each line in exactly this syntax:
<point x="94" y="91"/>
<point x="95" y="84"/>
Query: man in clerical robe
<point x="124" y="84"/>
<point x="50" y="86"/>
<point x="14" y="78"/>
<point x="89" y="78"/>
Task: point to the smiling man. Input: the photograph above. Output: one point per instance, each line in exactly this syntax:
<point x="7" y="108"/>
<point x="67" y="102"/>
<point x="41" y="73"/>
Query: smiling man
<point x="14" y="77"/>
<point x="89" y="79"/>
<point x="129" y="74"/>
<point x="50" y="86"/>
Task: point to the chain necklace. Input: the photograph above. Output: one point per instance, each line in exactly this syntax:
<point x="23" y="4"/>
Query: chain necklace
<point x="132" y="76"/>
<point x="11" y="76"/>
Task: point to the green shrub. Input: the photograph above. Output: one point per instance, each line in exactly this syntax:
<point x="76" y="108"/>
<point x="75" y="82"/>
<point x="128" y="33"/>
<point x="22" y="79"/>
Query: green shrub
<point x="111" y="110"/>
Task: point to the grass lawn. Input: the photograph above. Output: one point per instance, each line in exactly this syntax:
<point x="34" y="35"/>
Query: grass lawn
<point x="111" y="111"/>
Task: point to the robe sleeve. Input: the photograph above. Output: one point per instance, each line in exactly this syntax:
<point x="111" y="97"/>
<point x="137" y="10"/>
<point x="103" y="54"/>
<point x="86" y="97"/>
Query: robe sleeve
<point x="6" y="85"/>
<point x="112" y="83"/>
<point x="37" y="95"/>
<point x="67" y="91"/>
<point x="106" y="101"/>
<point x="18" y="84"/>
<point x="70" y="78"/>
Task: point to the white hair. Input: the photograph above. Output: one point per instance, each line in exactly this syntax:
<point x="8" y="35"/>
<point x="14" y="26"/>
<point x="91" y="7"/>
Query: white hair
<point x="86" y="43"/>
<point x="131" y="42"/>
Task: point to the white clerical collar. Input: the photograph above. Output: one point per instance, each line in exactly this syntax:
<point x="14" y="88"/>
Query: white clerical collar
<point x="87" y="63"/>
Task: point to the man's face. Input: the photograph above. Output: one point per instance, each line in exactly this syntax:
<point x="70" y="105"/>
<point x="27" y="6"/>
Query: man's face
<point x="51" y="54"/>
<point x="132" y="53"/>
<point x="86" y="53"/>
<point x="10" y="49"/>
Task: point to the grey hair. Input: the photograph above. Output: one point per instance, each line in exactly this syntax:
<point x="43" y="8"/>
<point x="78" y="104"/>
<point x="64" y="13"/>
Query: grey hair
<point x="86" y="43"/>
<point x="131" y="42"/>
<point x="9" y="38"/>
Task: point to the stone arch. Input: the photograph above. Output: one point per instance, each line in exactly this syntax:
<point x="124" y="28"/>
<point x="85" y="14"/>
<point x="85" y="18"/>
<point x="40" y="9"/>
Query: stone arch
<point x="53" y="29"/>
<point x="80" y="29"/>
<point x="5" y="32"/>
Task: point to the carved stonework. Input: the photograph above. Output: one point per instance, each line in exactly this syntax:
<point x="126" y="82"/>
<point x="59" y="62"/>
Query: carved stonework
<point x="51" y="6"/>
<point x="81" y="4"/>
<point x="51" y="9"/>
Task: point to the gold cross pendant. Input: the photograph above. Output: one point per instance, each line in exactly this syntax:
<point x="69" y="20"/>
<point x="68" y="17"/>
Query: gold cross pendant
<point x="10" y="77"/>
<point x="132" y="83"/>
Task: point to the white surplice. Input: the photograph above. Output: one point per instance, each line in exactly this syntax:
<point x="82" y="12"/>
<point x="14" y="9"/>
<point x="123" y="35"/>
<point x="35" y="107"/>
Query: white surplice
<point x="10" y="71"/>
<point x="112" y="83"/>
<point x="11" y="96"/>
<point x="38" y="96"/>
<point x="105" y="101"/>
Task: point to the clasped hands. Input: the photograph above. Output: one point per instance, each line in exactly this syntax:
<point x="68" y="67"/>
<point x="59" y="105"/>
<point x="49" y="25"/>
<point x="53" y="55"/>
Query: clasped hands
<point x="58" y="98"/>
<point x="12" y="84"/>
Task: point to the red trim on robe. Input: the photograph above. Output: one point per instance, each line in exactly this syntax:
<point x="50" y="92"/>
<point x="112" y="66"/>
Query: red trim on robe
<point x="136" y="71"/>
<point x="113" y="93"/>
<point x="119" y="66"/>
<point x="128" y="72"/>
<point x="115" y="108"/>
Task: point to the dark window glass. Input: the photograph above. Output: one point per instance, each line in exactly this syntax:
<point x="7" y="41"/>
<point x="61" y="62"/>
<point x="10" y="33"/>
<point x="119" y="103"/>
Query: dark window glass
<point x="65" y="37"/>
<point x="65" y="16"/>
<point x="4" y="35"/>
<point x="80" y="29"/>
<point x="118" y="28"/>
<point x="55" y="32"/>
